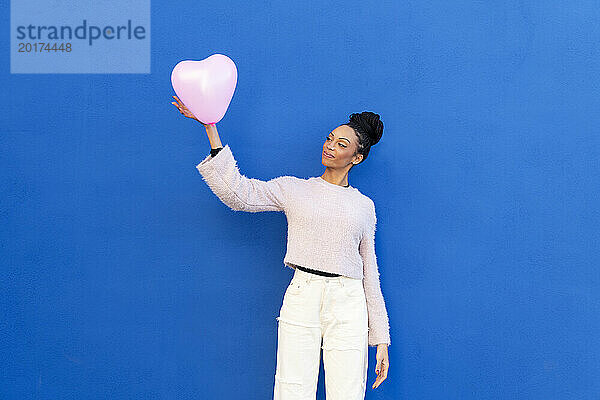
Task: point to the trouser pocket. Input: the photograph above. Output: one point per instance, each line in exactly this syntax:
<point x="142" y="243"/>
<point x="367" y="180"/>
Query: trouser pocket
<point x="297" y="286"/>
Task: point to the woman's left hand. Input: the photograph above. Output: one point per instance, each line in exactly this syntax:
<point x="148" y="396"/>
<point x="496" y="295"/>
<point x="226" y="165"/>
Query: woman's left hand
<point x="383" y="363"/>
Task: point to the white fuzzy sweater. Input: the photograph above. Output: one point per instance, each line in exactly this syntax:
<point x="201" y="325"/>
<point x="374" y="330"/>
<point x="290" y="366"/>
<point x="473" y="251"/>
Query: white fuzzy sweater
<point x="330" y="227"/>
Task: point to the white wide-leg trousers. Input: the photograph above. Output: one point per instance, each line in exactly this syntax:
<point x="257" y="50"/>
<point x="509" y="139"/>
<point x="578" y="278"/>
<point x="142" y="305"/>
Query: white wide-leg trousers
<point x="325" y="313"/>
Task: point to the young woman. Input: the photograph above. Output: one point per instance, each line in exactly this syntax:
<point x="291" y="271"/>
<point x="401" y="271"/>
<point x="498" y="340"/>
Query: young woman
<point x="334" y="301"/>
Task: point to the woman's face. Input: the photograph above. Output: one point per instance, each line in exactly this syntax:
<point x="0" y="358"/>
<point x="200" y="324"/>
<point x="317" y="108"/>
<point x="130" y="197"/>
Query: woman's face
<point x="342" y="145"/>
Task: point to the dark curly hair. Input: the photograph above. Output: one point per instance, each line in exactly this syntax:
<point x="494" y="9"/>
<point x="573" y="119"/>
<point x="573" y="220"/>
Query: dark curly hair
<point x="368" y="128"/>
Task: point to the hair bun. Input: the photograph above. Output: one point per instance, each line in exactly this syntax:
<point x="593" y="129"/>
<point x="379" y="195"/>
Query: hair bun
<point x="370" y="123"/>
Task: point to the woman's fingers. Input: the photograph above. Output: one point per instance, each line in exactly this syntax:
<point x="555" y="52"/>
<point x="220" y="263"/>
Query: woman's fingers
<point x="377" y="382"/>
<point x="177" y="105"/>
<point x="180" y="102"/>
<point x="380" y="378"/>
<point x="377" y="371"/>
<point x="181" y="106"/>
<point x="183" y="109"/>
<point x="382" y="371"/>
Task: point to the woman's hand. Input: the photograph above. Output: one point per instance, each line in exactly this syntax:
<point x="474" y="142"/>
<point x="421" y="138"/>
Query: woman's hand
<point x="383" y="363"/>
<point x="184" y="110"/>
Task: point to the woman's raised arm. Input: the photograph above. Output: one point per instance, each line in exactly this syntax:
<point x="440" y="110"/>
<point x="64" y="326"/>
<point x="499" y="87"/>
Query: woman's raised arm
<point x="220" y="171"/>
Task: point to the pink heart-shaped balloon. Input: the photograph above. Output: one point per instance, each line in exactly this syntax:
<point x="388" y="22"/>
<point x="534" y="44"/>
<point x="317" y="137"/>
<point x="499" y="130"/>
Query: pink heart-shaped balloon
<point x="205" y="87"/>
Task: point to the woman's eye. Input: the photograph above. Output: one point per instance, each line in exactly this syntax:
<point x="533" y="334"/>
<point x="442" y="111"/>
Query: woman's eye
<point x="343" y="145"/>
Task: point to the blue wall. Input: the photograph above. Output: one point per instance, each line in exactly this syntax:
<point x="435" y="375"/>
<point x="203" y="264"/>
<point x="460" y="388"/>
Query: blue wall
<point x="124" y="277"/>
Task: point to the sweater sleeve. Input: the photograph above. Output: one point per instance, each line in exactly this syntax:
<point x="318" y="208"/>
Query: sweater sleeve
<point x="238" y="192"/>
<point x="379" y="328"/>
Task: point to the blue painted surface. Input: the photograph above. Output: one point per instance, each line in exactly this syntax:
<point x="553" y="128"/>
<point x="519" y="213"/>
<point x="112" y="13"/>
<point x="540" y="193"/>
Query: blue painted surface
<point x="124" y="277"/>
